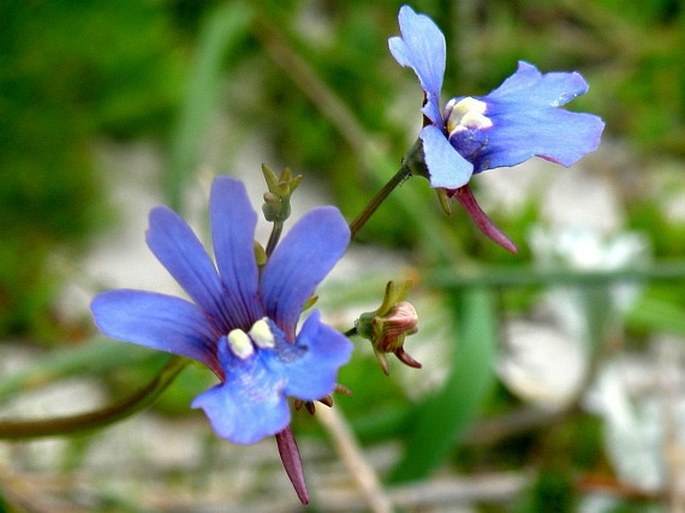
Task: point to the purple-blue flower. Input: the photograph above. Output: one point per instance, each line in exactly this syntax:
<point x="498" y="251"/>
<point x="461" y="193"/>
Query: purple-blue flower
<point x="518" y="120"/>
<point x="242" y="321"/>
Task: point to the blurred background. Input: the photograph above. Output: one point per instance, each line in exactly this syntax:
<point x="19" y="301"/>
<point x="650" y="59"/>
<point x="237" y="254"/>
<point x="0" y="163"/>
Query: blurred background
<point x="553" y="379"/>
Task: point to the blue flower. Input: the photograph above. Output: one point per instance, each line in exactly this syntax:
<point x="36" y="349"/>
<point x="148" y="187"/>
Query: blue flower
<point x="518" y="120"/>
<point x="242" y="323"/>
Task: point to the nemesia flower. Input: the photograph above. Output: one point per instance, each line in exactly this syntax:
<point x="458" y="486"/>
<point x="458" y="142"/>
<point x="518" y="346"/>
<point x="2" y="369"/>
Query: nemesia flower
<point x="518" y="120"/>
<point x="242" y="321"/>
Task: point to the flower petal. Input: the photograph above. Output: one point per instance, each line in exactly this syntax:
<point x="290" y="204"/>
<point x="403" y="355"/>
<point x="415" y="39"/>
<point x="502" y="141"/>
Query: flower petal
<point x="162" y="322"/>
<point x="530" y="87"/>
<point x="422" y="48"/>
<point x="233" y="222"/>
<point x="179" y="250"/>
<point x="313" y="375"/>
<point x="551" y="133"/>
<point x="447" y="168"/>
<point x="249" y="405"/>
<point x="527" y="121"/>
<point x="299" y="263"/>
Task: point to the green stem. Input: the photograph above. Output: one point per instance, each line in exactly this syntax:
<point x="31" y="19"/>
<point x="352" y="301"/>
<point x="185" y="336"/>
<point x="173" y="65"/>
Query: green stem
<point x="276" y="231"/>
<point x="352" y="332"/>
<point x="379" y="198"/>
<point x="146" y="396"/>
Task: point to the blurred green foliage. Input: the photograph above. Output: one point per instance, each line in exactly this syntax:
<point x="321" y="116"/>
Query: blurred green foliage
<point x="70" y="72"/>
<point x="316" y="81"/>
<point x="73" y="72"/>
<point x="553" y="492"/>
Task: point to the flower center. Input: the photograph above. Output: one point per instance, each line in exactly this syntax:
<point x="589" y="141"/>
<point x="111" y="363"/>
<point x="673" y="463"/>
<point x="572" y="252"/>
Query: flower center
<point x="243" y="344"/>
<point x="466" y="113"/>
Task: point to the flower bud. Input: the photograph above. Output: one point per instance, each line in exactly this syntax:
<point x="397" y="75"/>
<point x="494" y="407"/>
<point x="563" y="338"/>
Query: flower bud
<point x="276" y="205"/>
<point x="388" y="326"/>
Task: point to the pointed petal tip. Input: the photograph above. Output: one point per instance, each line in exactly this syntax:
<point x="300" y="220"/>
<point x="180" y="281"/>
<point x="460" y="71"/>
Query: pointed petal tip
<point x="465" y="196"/>
<point x="508" y="245"/>
<point x="292" y="463"/>
<point x="495" y="235"/>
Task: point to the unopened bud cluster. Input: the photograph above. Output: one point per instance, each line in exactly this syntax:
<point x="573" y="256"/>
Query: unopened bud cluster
<point x="276" y="206"/>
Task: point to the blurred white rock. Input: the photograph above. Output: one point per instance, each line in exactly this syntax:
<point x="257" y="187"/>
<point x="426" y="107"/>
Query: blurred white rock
<point x="641" y="399"/>
<point x="546" y="362"/>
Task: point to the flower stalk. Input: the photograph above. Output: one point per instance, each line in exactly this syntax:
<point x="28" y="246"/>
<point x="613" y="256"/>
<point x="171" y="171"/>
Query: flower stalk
<point x="402" y="175"/>
<point x="66" y="425"/>
<point x="276" y="207"/>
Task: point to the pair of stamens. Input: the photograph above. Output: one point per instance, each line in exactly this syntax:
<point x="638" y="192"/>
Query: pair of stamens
<point x="243" y="344"/>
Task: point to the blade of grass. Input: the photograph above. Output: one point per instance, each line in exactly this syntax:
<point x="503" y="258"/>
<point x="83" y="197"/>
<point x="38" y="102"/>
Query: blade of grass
<point x="518" y="275"/>
<point x="219" y="39"/>
<point x="442" y="418"/>
<point x="656" y="314"/>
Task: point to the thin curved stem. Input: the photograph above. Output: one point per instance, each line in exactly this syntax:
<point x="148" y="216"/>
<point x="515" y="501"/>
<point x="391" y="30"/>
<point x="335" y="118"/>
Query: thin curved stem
<point x="57" y="426"/>
<point x="364" y="475"/>
<point x="275" y="236"/>
<point x="352" y="332"/>
<point x="363" y="143"/>
<point x="399" y="177"/>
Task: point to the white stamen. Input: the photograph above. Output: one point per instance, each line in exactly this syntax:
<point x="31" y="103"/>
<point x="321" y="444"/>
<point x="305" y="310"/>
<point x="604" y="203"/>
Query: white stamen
<point x="261" y="334"/>
<point x="466" y="113"/>
<point x="240" y="344"/>
<point x="475" y="120"/>
<point x="467" y="104"/>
